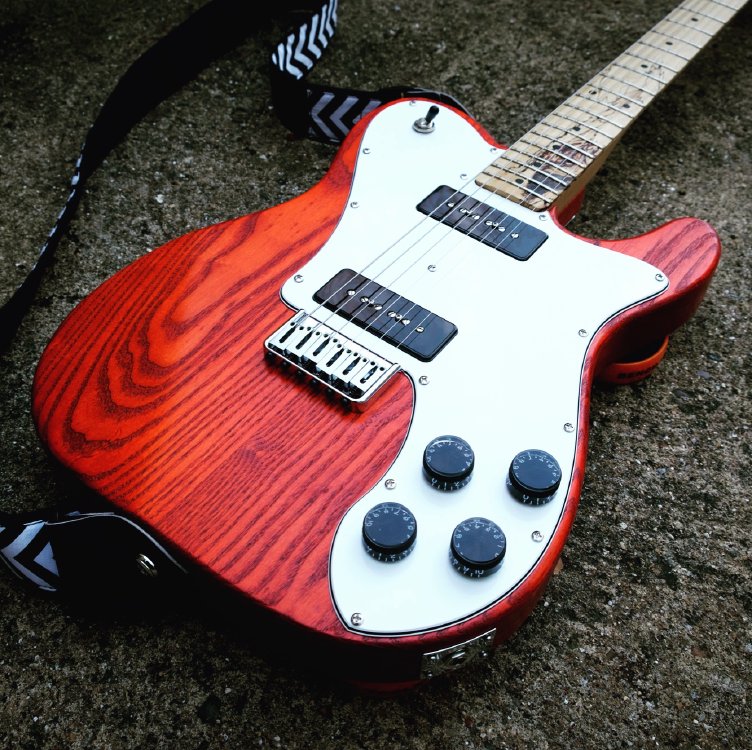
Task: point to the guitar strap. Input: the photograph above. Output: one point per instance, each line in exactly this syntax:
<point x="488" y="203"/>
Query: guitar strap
<point x="55" y="551"/>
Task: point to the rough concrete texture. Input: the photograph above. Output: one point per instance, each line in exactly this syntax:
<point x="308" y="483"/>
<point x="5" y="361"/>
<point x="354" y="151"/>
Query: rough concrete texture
<point x="643" y="638"/>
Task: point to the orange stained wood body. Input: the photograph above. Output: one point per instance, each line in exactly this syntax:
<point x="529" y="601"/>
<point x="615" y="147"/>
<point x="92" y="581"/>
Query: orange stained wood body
<point x="156" y="393"/>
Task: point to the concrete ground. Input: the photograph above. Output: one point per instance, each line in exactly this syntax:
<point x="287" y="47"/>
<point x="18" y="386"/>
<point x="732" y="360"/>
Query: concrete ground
<point x="643" y="638"/>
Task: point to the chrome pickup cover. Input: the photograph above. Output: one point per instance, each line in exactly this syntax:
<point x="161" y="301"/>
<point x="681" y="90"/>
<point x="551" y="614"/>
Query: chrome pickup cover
<point x="325" y="355"/>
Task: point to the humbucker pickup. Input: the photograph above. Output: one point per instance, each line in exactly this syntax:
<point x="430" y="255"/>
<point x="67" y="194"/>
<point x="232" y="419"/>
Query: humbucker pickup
<point x="325" y="355"/>
<point x="483" y="223"/>
<point x="386" y="314"/>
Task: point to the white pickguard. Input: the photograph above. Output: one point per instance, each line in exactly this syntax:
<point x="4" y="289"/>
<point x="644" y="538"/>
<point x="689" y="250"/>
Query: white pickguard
<point x="508" y="381"/>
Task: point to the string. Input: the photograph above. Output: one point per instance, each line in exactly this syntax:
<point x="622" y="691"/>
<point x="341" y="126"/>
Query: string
<point x="480" y="185"/>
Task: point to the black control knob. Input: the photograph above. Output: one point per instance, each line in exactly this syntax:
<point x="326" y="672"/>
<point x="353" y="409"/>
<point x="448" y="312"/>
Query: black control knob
<point x="389" y="531"/>
<point x="448" y="462"/>
<point x="534" y="476"/>
<point x="478" y="547"/>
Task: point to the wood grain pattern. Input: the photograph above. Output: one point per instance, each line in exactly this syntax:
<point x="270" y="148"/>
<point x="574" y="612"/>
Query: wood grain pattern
<point x="155" y="392"/>
<point x="562" y="153"/>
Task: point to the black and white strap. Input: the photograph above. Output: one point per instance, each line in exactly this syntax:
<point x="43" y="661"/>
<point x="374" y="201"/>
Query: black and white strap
<point x="26" y="548"/>
<point x="51" y="551"/>
<point x="297" y="54"/>
<point x="77" y="553"/>
<point x="325" y="113"/>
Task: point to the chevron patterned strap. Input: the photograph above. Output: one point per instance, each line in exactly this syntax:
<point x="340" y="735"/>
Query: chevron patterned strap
<point x="26" y="549"/>
<point x="297" y="54"/>
<point x="81" y="552"/>
<point x="332" y="112"/>
<point x="323" y="113"/>
<point x="39" y="547"/>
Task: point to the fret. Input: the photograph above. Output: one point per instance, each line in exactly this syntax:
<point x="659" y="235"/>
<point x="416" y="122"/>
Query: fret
<point x="656" y="79"/>
<point x="501" y="186"/>
<point x="562" y="141"/>
<point x="662" y="52"/>
<point x="600" y="101"/>
<point x="733" y="6"/>
<point x="650" y="92"/>
<point x="691" y="19"/>
<point x="573" y="140"/>
<point x="553" y="167"/>
<point x="527" y="166"/>
<point x="599" y="81"/>
<point x="671" y="40"/>
<point x="514" y="191"/>
<point x="517" y="173"/>
<point x="661" y="40"/>
<point x="538" y="154"/>
<point x="646" y="64"/>
<point x="554" y="159"/>
<point x="723" y="16"/>
<point x="692" y="26"/>
<point x="587" y="112"/>
<point x="577" y="128"/>
<point x="696" y="37"/>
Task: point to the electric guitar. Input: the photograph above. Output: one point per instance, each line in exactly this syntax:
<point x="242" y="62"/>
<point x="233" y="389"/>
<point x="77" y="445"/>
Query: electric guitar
<point x="364" y="412"/>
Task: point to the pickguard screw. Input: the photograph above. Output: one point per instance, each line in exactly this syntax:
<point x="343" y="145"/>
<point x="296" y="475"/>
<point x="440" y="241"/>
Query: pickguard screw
<point x="146" y="566"/>
<point x="568" y="427"/>
<point x="297" y="278"/>
<point x="356" y="619"/>
<point x="432" y="268"/>
<point x="582" y="332"/>
<point x="542" y="217"/>
<point x="366" y="150"/>
<point x="537" y="536"/>
<point x="354" y="204"/>
<point x="660" y="277"/>
<point x="390" y="484"/>
<point x="463" y="176"/>
<point x="423" y="380"/>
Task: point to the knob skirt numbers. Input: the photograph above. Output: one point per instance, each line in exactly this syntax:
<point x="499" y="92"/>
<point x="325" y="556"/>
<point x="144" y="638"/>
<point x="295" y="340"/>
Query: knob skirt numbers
<point x="389" y="532"/>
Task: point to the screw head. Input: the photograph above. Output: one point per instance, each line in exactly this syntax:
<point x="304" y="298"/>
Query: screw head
<point x="146" y="566"/>
<point x="432" y="268"/>
<point x="297" y="278"/>
<point x="423" y="380"/>
<point x="543" y="217"/>
<point x="568" y="427"/>
<point x="366" y="150"/>
<point x="354" y="204"/>
<point x="660" y="277"/>
<point x="582" y="333"/>
<point x="536" y="536"/>
<point x="390" y="484"/>
<point x="356" y="619"/>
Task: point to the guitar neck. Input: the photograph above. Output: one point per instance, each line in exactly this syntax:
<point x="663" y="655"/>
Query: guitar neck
<point x="560" y="155"/>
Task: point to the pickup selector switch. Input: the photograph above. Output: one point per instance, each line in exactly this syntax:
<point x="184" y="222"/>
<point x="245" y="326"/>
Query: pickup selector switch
<point x="448" y="462"/>
<point x="389" y="531"/>
<point x="534" y="476"/>
<point x="478" y="547"/>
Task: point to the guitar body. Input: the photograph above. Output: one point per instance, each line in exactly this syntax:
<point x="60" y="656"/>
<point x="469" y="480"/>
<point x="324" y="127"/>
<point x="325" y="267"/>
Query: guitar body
<point x="159" y="394"/>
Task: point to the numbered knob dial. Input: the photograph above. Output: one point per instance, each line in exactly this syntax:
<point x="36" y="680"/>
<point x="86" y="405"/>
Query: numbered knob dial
<point x="534" y="476"/>
<point x="448" y="462"/>
<point x="478" y="547"/>
<point x="389" y="531"/>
